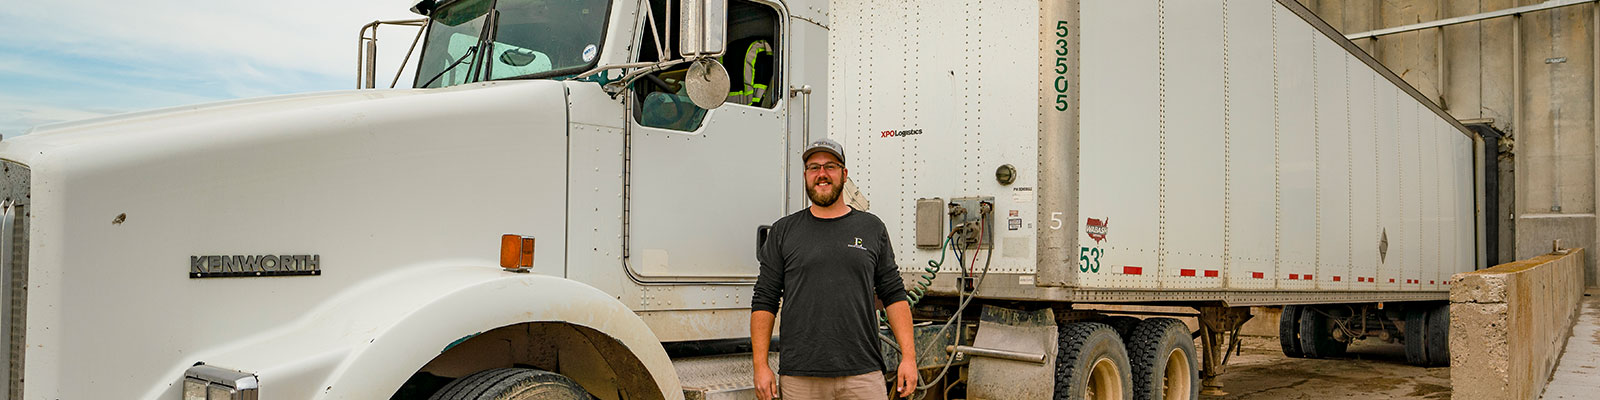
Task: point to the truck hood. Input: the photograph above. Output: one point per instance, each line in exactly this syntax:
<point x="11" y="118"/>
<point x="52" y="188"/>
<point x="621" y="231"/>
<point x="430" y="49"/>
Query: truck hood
<point x="370" y="183"/>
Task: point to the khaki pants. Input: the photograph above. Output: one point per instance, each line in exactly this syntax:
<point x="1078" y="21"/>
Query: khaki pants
<point x="868" y="386"/>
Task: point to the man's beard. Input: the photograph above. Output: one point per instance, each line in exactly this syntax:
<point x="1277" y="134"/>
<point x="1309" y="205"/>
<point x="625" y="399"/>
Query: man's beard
<point x="824" y="199"/>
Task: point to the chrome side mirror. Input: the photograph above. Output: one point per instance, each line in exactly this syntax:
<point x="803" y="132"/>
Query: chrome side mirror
<point x="707" y="83"/>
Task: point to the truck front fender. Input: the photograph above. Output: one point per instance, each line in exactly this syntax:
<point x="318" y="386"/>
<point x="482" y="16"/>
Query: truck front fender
<point x="366" y="342"/>
<point x="393" y="354"/>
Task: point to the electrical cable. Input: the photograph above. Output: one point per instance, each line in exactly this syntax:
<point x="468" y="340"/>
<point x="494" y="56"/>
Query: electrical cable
<point x="924" y="281"/>
<point x="930" y="272"/>
<point x="964" y="296"/>
<point x="962" y="306"/>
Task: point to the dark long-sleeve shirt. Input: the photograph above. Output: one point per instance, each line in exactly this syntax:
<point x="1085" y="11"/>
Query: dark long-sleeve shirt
<point x="827" y="272"/>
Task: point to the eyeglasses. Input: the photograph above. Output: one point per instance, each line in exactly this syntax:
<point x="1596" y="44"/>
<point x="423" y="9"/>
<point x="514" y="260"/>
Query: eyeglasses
<point x="831" y="167"/>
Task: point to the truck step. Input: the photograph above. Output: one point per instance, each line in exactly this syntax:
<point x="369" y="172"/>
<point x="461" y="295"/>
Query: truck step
<point x="719" y="377"/>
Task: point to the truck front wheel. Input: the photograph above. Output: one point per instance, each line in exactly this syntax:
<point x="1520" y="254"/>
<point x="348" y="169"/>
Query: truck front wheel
<point x="1092" y="364"/>
<point x="512" y="384"/>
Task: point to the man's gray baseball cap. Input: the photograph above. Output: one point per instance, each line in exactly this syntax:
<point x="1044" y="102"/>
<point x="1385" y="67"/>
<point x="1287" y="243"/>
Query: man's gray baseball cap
<point x="828" y="145"/>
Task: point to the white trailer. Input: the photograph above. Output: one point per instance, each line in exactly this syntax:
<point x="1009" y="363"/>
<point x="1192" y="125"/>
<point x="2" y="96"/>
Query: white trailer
<point x="1188" y="155"/>
<point x="1206" y="154"/>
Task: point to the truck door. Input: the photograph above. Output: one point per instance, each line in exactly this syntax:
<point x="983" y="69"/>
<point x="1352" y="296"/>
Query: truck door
<point x="702" y="181"/>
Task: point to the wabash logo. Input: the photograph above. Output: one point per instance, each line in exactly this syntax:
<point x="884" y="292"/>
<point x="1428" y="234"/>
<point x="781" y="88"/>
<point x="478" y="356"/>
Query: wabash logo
<point x="1096" y="228"/>
<point x="900" y="133"/>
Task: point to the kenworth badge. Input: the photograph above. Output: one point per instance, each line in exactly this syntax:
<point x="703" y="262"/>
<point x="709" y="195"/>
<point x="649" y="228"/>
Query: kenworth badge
<point x="256" y="265"/>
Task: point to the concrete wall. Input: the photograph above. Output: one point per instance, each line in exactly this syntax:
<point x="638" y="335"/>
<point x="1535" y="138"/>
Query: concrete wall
<point x="1508" y="325"/>
<point x="1470" y="69"/>
<point x="1264" y="322"/>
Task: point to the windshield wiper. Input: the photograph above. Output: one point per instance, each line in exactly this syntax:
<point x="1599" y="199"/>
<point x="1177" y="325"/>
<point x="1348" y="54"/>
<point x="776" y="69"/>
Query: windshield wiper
<point x="470" y="51"/>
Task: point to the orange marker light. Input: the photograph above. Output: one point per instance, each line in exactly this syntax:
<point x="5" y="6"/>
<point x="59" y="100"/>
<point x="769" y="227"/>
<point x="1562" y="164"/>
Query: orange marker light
<point x="516" y="252"/>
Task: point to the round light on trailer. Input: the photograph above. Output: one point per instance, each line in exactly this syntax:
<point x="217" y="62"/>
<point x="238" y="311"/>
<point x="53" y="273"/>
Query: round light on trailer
<point x="1006" y="174"/>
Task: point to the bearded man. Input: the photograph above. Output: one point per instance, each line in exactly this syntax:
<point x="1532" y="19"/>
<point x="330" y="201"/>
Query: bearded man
<point x="827" y="263"/>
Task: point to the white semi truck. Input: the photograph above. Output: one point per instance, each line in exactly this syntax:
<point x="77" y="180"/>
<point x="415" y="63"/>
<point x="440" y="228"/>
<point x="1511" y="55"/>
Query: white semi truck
<point x="1071" y="162"/>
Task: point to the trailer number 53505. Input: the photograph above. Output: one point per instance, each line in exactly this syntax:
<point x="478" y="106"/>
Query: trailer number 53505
<point x="1061" y="82"/>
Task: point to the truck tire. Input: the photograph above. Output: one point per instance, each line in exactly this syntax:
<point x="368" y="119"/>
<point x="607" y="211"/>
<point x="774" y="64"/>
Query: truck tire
<point x="1092" y="364"/>
<point x="1438" y="342"/>
<point x="1289" y="331"/>
<point x="1316" y="335"/>
<point x="1122" y="324"/>
<point x="1416" y="336"/>
<point x="512" y="384"/>
<point x="1165" y="364"/>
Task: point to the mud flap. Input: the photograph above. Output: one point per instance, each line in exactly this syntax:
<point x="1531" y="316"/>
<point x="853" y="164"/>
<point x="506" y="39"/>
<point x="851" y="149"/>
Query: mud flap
<point x="1016" y="331"/>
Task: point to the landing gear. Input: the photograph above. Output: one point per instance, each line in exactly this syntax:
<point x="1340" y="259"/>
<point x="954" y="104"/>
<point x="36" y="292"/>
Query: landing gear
<point x="1215" y="324"/>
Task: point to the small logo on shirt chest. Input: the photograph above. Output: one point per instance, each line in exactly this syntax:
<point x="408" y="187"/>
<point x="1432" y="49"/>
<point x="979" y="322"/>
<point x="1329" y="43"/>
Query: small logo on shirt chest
<point x="857" y="244"/>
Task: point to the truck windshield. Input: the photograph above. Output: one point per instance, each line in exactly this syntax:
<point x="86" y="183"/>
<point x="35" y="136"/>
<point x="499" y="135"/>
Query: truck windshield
<point x="532" y="39"/>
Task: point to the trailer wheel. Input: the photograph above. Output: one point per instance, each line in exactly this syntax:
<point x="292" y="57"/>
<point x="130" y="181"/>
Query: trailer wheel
<point x="1092" y="364"/>
<point x="512" y="384"/>
<point x="1416" y="336"/>
<point x="1289" y="331"/>
<point x="1165" y="364"/>
<point x="1122" y="324"/>
<point x="1438" y="336"/>
<point x="1316" y="335"/>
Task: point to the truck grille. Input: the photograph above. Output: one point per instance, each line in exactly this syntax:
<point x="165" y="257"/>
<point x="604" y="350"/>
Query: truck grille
<point x="14" y="196"/>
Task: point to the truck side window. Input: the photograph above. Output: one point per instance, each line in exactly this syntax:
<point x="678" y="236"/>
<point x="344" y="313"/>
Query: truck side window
<point x="751" y="60"/>
<point x="752" y="54"/>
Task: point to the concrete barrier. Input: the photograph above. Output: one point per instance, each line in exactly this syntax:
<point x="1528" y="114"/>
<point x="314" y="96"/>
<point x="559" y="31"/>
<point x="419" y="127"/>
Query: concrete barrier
<point x="1264" y="322"/>
<point x="1508" y="325"/>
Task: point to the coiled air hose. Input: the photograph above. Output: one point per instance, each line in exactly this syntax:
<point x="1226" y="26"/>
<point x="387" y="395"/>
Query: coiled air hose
<point x="926" y="279"/>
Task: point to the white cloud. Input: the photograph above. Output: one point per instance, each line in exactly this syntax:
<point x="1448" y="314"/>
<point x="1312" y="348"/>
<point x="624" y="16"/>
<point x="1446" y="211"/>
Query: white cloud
<point x="306" y="35"/>
<point x="70" y="59"/>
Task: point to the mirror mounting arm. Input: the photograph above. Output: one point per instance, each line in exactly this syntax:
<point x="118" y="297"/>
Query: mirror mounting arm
<point x="616" y="87"/>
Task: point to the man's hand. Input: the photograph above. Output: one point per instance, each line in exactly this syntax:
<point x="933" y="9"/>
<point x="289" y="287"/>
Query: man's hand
<point x="900" y="323"/>
<point x="906" y="383"/>
<point x="766" y="383"/>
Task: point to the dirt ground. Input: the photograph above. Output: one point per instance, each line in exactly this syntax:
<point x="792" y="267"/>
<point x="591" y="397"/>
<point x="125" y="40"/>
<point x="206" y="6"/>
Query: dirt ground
<point x="1372" y="370"/>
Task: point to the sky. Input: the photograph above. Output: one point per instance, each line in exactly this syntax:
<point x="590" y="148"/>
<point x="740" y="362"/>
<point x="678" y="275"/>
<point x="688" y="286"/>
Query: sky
<point x="64" y="60"/>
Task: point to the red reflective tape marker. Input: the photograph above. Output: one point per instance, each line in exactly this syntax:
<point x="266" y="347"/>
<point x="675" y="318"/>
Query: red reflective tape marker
<point x="1211" y="273"/>
<point x="1335" y="278"/>
<point x="1431" y="283"/>
<point x="1132" y="270"/>
<point x="1293" y="277"/>
<point x="1391" y="280"/>
<point x="1258" y="275"/>
<point x="1307" y="277"/>
<point x="1186" y="272"/>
